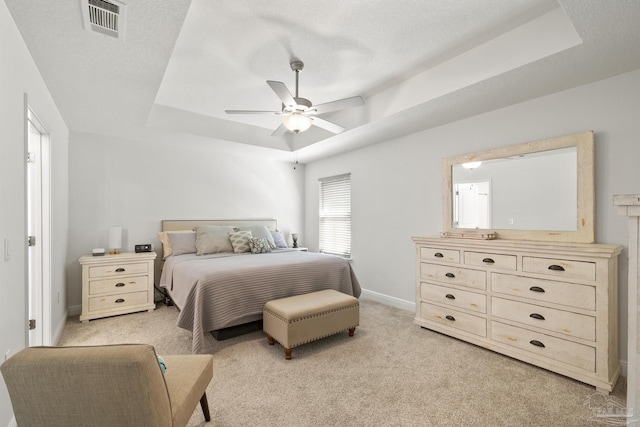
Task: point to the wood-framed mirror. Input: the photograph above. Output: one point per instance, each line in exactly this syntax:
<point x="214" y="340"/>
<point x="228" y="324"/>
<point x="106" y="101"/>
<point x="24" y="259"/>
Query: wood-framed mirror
<point x="541" y="190"/>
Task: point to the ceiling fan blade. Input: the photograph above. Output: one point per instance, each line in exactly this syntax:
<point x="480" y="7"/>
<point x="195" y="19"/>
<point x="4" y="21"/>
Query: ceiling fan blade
<point x="283" y="93"/>
<point x="327" y="125"/>
<point x="275" y="113"/>
<point x="341" y="104"/>
<point x="280" y="130"/>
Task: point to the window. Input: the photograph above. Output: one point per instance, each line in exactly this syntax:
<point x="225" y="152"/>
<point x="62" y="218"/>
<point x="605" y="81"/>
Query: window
<point x="335" y="215"/>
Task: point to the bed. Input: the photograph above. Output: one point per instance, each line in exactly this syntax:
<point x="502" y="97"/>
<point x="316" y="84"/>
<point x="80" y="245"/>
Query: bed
<point x="216" y="288"/>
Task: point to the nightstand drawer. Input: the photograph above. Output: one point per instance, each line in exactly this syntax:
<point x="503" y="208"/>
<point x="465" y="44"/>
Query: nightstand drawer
<point x="503" y="262"/>
<point x="560" y="267"/>
<point x="569" y="294"/>
<point x="564" y="351"/>
<point x="454" y="297"/>
<point x="454" y="275"/>
<point x="435" y="254"/>
<point x="453" y="318"/>
<point x="563" y="322"/>
<point x="119" y="285"/>
<point x="118" y="301"/>
<point x="118" y="269"/>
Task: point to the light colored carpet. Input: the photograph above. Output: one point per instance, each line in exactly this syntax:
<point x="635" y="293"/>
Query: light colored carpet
<point x="391" y="373"/>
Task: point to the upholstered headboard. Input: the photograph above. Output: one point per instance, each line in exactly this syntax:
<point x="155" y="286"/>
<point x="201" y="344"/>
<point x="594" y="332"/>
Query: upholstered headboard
<point x="189" y="224"/>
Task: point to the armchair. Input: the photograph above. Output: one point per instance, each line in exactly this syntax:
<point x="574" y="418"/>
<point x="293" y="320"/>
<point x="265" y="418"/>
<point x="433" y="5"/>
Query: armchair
<point x="111" y="385"/>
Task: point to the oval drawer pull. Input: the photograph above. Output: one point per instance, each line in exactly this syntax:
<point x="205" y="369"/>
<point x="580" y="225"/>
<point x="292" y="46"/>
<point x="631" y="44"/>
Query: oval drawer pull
<point x="438" y="255"/>
<point x="119" y="300"/>
<point x="536" y="316"/>
<point x="119" y="285"/>
<point x="450" y="275"/>
<point x="556" y="267"/>
<point x="450" y="317"/>
<point x="449" y="296"/>
<point x="488" y="261"/>
<point x="536" y="343"/>
<point x="536" y="289"/>
<point x="120" y="270"/>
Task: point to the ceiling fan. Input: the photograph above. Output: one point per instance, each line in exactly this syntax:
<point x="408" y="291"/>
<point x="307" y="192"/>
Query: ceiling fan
<point x="298" y="114"/>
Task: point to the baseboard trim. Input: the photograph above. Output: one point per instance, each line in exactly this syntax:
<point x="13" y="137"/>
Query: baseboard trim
<point x="389" y="300"/>
<point x="74" y="310"/>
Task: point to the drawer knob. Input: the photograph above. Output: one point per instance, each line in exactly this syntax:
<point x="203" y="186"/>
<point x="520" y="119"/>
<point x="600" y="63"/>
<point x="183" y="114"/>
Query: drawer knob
<point x="450" y="275"/>
<point x="438" y="255"/>
<point x="120" y="270"/>
<point x="449" y="296"/>
<point x="556" y="267"/>
<point x="119" y="300"/>
<point x="536" y="343"/>
<point x="536" y="316"/>
<point x="536" y="289"/>
<point x="450" y="317"/>
<point x="488" y="261"/>
<point x="119" y="285"/>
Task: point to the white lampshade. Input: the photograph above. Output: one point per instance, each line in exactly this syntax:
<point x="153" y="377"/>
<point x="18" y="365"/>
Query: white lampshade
<point x="296" y="122"/>
<point x="115" y="239"/>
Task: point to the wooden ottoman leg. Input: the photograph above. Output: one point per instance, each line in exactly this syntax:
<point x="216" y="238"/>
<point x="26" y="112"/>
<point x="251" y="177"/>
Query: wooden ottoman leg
<point x="205" y="407"/>
<point x="351" y="331"/>
<point x="287" y="353"/>
<point x="271" y="340"/>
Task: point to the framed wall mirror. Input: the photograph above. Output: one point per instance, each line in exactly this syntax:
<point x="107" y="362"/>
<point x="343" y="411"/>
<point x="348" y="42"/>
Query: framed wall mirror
<point x="541" y="190"/>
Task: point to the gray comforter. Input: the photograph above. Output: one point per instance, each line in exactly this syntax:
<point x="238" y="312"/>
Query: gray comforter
<point x="222" y="290"/>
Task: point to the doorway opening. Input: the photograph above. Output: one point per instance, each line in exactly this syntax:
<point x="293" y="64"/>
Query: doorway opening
<point x="472" y="204"/>
<point x="38" y="231"/>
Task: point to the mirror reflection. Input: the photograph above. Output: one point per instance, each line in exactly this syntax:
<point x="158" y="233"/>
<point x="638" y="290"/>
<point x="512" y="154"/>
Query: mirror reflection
<point x="534" y="191"/>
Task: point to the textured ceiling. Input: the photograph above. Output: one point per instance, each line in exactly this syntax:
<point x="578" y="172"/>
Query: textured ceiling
<point x="418" y="64"/>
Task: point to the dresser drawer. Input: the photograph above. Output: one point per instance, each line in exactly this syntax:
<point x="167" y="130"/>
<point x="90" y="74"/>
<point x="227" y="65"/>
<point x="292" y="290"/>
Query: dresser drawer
<point x="579" y="355"/>
<point x="454" y="297"/>
<point x="560" y="267"/>
<point x="119" y="285"/>
<point x="569" y="294"/>
<point x="503" y="262"/>
<point x="551" y="319"/>
<point x="118" y="301"/>
<point x="454" y="275"/>
<point x="453" y="318"/>
<point x="118" y="269"/>
<point x="435" y="254"/>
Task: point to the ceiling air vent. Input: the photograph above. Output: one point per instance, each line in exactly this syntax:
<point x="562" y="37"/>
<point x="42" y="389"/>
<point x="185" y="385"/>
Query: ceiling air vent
<point x="104" y="17"/>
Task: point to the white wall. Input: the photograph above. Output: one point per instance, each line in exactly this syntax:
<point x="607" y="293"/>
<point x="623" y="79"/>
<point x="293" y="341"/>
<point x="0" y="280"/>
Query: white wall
<point x="19" y="75"/>
<point x="397" y="185"/>
<point x="136" y="183"/>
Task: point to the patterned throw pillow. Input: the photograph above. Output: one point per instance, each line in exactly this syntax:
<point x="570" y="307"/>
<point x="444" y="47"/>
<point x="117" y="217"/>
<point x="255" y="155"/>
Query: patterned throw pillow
<point x="259" y="245"/>
<point x="240" y="241"/>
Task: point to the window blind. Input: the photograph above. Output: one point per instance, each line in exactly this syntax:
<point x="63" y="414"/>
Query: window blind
<point x="335" y="215"/>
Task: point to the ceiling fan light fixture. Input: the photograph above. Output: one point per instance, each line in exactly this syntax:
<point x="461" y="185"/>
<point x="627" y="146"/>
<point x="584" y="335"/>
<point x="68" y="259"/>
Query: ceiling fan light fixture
<point x="296" y="122"/>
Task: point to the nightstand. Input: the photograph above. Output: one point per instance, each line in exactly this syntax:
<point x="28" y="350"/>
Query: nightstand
<point x="117" y="284"/>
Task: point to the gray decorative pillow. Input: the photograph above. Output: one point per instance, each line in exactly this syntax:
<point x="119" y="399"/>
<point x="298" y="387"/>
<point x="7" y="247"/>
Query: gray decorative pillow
<point x="182" y="243"/>
<point x="240" y="241"/>
<point x="261" y="231"/>
<point x="213" y="239"/>
<point x="259" y="245"/>
<point x="279" y="240"/>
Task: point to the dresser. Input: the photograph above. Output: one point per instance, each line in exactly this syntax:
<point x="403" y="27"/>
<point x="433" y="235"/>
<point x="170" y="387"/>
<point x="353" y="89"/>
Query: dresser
<point x="117" y="284"/>
<point x="553" y="305"/>
<point x="629" y="206"/>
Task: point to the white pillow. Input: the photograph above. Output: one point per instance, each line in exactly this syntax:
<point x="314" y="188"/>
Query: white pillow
<point x="261" y="231"/>
<point x="213" y="239"/>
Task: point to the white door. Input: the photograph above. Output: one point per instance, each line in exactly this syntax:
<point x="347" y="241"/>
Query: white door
<point x="473" y="202"/>
<point x="38" y="232"/>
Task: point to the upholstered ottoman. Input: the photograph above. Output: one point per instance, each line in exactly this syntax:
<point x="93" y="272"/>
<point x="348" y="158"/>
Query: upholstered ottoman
<point x="304" y="318"/>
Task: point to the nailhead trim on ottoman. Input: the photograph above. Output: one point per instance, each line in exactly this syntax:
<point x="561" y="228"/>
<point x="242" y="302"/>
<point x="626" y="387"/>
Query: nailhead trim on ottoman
<point x="304" y="318"/>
